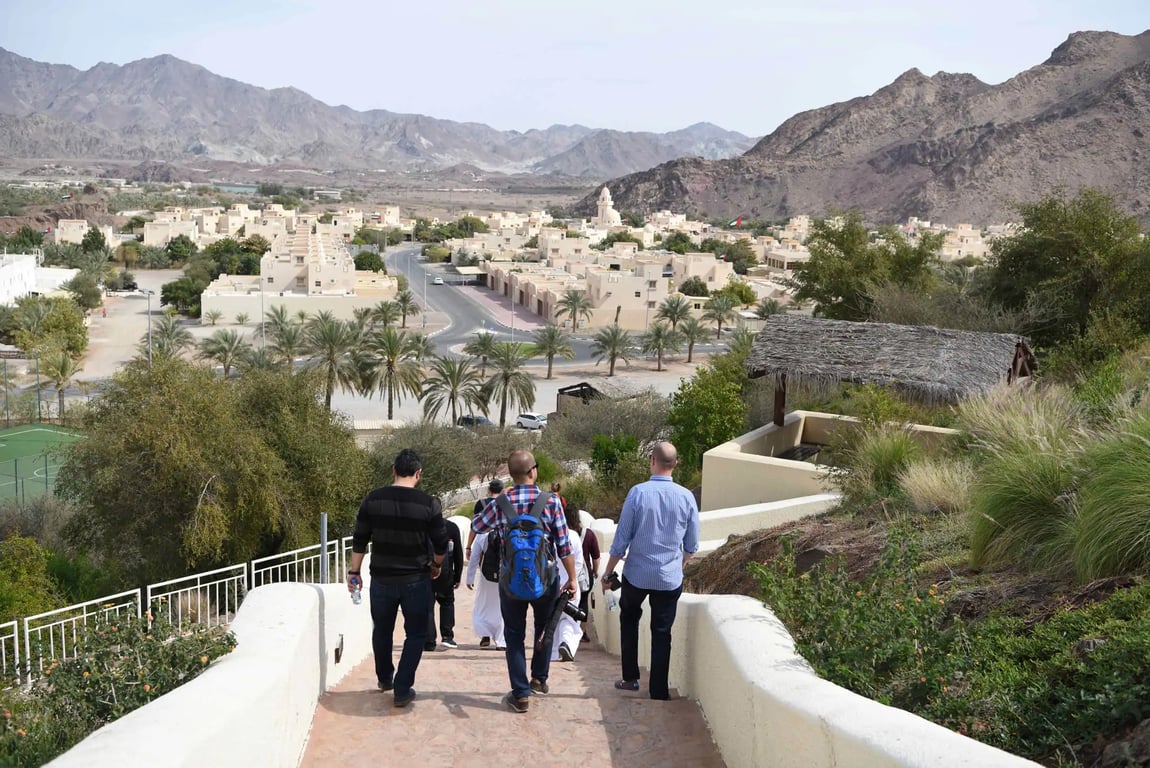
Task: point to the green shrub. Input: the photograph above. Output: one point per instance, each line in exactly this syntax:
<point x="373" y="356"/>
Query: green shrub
<point x="549" y="471"/>
<point x="1112" y="531"/>
<point x="120" y="664"/>
<point x="881" y="455"/>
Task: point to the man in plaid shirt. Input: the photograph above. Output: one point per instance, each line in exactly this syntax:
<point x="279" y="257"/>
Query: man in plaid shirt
<point x="524" y="471"/>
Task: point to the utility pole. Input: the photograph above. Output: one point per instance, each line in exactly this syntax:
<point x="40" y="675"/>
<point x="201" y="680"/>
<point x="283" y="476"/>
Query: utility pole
<point x="425" y="297"/>
<point x="149" y="330"/>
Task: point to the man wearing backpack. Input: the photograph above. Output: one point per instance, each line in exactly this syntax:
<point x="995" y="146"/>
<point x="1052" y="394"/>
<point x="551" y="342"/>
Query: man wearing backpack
<point x="533" y="531"/>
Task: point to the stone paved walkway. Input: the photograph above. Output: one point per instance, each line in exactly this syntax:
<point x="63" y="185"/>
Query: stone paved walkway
<point x="458" y="719"/>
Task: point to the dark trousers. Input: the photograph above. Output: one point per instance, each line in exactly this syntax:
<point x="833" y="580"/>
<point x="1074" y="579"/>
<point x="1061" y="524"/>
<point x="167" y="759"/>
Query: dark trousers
<point x="515" y="633"/>
<point x="386" y="601"/>
<point x="664" y="603"/>
<point x="445" y="596"/>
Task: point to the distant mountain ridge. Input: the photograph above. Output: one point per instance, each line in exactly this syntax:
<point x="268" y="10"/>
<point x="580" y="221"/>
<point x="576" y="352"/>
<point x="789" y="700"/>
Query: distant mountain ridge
<point x="947" y="147"/>
<point x="168" y="110"/>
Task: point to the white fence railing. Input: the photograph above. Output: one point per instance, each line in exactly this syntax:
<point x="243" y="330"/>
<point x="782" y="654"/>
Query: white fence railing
<point x="301" y="565"/>
<point x="9" y="651"/>
<point x="211" y="598"/>
<point x="52" y="634"/>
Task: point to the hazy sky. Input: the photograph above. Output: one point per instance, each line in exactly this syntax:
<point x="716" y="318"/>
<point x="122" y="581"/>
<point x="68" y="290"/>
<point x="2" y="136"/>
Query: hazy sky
<point x="627" y="64"/>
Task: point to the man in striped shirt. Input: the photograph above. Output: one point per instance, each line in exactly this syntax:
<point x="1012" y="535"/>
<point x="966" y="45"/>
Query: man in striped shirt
<point x="408" y="538"/>
<point x="658" y="532"/>
<point x="524" y="471"/>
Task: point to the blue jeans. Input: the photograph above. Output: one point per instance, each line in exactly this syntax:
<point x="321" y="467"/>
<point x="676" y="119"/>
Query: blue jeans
<point x="515" y="633"/>
<point x="664" y="604"/>
<point x="386" y="601"/>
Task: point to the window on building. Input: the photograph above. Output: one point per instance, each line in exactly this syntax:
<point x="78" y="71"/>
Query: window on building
<point x="652" y="284"/>
<point x="299" y="259"/>
<point x="650" y="305"/>
<point x="318" y="283"/>
<point x="300" y="282"/>
<point x="271" y="280"/>
<point x="637" y="294"/>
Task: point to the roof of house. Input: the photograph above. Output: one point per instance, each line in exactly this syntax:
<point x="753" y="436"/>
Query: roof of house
<point x="933" y="364"/>
<point x="614" y="387"/>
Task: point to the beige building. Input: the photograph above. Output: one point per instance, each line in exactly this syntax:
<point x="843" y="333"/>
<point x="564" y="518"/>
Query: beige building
<point x="70" y="231"/>
<point x="606" y="216"/>
<point x="964" y="241"/>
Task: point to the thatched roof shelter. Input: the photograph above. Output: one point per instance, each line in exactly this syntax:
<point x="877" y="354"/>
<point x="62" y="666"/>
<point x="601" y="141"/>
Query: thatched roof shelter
<point x="927" y="363"/>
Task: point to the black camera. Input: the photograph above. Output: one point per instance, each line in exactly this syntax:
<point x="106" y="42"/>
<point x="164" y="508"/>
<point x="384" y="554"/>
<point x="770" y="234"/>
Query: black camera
<point x="613" y="581"/>
<point x="572" y="610"/>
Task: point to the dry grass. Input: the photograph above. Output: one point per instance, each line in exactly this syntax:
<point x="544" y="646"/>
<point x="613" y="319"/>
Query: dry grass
<point x="938" y="485"/>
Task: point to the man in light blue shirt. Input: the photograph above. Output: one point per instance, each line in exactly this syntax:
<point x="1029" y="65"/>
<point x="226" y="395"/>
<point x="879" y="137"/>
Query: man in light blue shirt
<point x="658" y="531"/>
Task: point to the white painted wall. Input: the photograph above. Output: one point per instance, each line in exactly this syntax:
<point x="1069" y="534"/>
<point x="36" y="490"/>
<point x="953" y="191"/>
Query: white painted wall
<point x="253" y="707"/>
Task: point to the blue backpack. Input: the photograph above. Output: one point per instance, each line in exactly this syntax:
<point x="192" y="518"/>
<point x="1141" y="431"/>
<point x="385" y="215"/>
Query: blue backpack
<point x="527" y="568"/>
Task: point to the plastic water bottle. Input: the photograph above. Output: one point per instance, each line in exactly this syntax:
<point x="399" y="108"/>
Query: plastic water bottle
<point x="357" y="593"/>
<point x="612" y="602"/>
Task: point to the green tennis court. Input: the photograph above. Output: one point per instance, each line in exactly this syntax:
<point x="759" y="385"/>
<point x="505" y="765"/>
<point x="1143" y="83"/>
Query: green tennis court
<point x="27" y="465"/>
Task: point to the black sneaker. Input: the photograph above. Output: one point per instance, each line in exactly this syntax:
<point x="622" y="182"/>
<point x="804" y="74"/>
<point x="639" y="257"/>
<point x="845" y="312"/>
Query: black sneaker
<point x="485" y="642"/>
<point x="406" y="700"/>
<point x="516" y="705"/>
<point x="450" y="644"/>
<point x="540" y="687"/>
<point x="385" y="686"/>
<point x="429" y="646"/>
<point x="565" y="652"/>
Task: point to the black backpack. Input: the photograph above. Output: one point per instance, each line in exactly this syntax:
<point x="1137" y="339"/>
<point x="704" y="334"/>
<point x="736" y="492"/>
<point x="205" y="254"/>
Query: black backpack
<point x="489" y="565"/>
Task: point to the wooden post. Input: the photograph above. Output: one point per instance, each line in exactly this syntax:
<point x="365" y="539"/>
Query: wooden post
<point x="780" y="398"/>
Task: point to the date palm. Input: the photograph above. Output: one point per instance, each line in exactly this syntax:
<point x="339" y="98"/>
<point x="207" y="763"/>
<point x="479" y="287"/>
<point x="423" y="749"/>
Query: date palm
<point x="213" y="316"/>
<point x="661" y="339"/>
<point x="575" y="304"/>
<point x="392" y="368"/>
<point x="694" y="332"/>
<point x="509" y="384"/>
<point x="225" y="347"/>
<point x="454" y="384"/>
<point x="60" y="368"/>
<point x="407" y="306"/>
<point x="674" y="309"/>
<point x="767" y="307"/>
<point x="258" y="359"/>
<point x="169" y="338"/>
<point x="288" y="342"/>
<point x="385" y="313"/>
<point x="720" y="309"/>
<point x="550" y="342"/>
<point x="482" y="345"/>
<point x="242" y="318"/>
<point x="740" y="343"/>
<point x="612" y="344"/>
<point x="276" y="318"/>
<point x="422" y="347"/>
<point x="330" y="347"/>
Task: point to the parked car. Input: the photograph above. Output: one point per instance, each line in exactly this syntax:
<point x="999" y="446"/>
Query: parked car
<point x="531" y="420"/>
<point x="473" y="421"/>
<point x="437" y="281"/>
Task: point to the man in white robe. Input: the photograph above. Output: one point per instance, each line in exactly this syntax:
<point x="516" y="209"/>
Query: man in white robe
<point x="486" y="616"/>
<point x="569" y="633"/>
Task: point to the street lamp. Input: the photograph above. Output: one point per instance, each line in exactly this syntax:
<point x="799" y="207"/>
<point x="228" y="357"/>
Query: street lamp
<point x="149" y="294"/>
<point x="425" y="298"/>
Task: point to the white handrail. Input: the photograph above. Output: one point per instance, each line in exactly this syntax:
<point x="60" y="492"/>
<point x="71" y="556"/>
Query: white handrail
<point x="10" y="659"/>
<point x="199" y="598"/>
<point x="64" y="630"/>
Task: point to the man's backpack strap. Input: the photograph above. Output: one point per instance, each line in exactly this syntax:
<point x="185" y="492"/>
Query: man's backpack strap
<point x="504" y="505"/>
<point x="540" y="505"/>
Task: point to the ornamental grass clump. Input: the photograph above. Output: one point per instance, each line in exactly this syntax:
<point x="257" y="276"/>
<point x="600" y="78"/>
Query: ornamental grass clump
<point x="873" y="460"/>
<point x="937" y="486"/>
<point x="1112" y="528"/>
<point x="1028" y="443"/>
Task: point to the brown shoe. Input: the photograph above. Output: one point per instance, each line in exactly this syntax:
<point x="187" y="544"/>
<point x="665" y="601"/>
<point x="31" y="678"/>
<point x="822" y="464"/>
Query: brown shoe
<point x="485" y="642"/>
<point x="516" y="704"/>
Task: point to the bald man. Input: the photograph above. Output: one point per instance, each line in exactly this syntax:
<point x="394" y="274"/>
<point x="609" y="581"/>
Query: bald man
<point x="658" y="532"/>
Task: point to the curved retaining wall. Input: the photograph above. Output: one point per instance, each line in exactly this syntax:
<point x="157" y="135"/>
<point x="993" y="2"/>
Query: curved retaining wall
<point x="765" y="705"/>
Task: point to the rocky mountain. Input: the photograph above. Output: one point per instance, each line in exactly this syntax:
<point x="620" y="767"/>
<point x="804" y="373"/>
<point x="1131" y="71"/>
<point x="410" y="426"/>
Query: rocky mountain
<point x="948" y="147"/>
<point x="164" y="109"/>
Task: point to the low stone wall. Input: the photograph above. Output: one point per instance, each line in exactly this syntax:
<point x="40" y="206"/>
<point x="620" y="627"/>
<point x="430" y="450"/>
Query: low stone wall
<point x="253" y="707"/>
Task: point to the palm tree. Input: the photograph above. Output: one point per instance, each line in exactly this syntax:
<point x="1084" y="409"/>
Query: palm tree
<point x="288" y="342"/>
<point x="740" y="342"/>
<point x="693" y="332"/>
<point x="422" y="347"/>
<point x="392" y="367"/>
<point x="550" y="342"/>
<point x="213" y="316"/>
<point x="510" y="384"/>
<point x="60" y="368"/>
<point x="225" y="347"/>
<point x="482" y="345"/>
<point x="661" y="338"/>
<point x="575" y="304"/>
<point x="242" y="318"/>
<point x="362" y="316"/>
<point x="385" y="313"/>
<point x="612" y="343"/>
<point x="330" y="345"/>
<point x="277" y="318"/>
<point x="258" y="359"/>
<point x="32" y="315"/>
<point x="169" y="338"/>
<point x="453" y="383"/>
<point x="767" y="307"/>
<point x="674" y="309"/>
<point x="720" y="309"/>
<point x="407" y="306"/>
